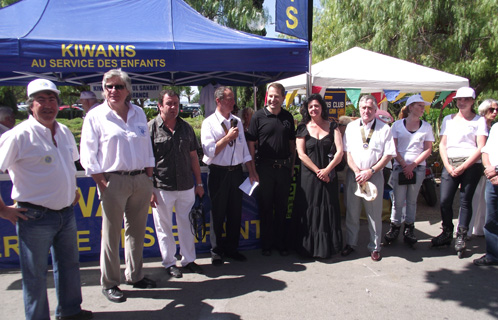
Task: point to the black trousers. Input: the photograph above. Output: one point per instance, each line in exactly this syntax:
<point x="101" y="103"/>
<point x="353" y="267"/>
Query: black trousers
<point x="468" y="182"/>
<point x="226" y="205"/>
<point x="273" y="201"/>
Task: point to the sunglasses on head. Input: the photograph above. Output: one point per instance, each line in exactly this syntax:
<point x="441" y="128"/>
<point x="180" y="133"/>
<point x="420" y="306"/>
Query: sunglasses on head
<point x="114" y="86"/>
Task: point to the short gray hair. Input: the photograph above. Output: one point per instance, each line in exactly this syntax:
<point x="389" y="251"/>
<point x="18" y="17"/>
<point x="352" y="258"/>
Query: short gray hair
<point x="219" y="93"/>
<point x="368" y="97"/>
<point x="5" y="112"/>
<point x="120" y="74"/>
<point x="485" y="105"/>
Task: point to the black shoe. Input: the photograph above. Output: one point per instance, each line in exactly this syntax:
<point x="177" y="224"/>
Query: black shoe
<point x="114" y="294"/>
<point x="485" y="261"/>
<point x="82" y="315"/>
<point x="237" y="256"/>
<point x="266" y="253"/>
<point x="145" y="283"/>
<point x="174" y="272"/>
<point x="194" y="267"/>
<point x="347" y="250"/>
<point x="283" y="253"/>
<point x="216" y="259"/>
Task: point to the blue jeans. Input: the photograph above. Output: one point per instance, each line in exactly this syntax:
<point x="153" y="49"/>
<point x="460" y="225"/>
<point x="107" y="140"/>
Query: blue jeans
<point x="408" y="193"/>
<point x="491" y="226"/>
<point x="468" y="182"/>
<point x="54" y="230"/>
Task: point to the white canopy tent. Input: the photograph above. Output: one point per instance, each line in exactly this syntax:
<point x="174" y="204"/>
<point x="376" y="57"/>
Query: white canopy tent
<point x="374" y="72"/>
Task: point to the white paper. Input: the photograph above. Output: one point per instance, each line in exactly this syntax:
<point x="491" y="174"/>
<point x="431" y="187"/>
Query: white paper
<point x="247" y="187"/>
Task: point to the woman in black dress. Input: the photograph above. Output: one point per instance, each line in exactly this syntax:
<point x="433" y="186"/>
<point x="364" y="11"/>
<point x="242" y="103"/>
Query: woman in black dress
<point x="319" y="146"/>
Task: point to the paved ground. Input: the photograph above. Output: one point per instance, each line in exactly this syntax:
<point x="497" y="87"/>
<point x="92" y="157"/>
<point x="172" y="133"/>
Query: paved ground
<point x="423" y="283"/>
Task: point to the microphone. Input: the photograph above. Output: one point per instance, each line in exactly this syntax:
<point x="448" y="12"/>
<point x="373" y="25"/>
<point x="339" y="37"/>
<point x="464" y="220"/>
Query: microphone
<point x="233" y="123"/>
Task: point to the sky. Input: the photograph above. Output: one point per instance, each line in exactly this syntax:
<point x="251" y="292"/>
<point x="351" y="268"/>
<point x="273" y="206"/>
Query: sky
<point x="270" y="6"/>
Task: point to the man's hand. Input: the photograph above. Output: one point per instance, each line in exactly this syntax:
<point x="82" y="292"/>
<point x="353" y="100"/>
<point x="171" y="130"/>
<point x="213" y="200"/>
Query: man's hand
<point x="363" y="176"/>
<point x="153" y="200"/>
<point x="232" y="134"/>
<point x="76" y="197"/>
<point x="199" y="190"/>
<point x="490" y="172"/>
<point x="12" y="213"/>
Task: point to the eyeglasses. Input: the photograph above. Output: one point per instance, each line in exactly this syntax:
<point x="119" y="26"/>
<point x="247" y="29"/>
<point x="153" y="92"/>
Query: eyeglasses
<point x="493" y="109"/>
<point x="114" y="86"/>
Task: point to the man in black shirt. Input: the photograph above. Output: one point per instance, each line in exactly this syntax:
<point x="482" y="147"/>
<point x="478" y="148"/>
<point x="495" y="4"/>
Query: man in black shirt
<point x="272" y="129"/>
<point x="175" y="149"/>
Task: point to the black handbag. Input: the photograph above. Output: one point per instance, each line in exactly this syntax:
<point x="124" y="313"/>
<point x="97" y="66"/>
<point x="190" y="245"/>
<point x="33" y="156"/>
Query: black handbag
<point x="403" y="180"/>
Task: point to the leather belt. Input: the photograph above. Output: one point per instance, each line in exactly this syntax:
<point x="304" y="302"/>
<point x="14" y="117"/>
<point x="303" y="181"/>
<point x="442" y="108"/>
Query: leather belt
<point x="226" y="168"/>
<point x="29" y="205"/>
<point x="128" y="173"/>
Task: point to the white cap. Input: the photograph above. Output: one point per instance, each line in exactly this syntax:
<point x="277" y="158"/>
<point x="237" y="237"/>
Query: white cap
<point x="367" y="191"/>
<point x="41" y="85"/>
<point x="87" y="95"/>
<point x="417" y="98"/>
<point x="465" y="92"/>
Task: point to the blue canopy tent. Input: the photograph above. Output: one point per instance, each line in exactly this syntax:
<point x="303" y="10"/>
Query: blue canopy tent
<point x="73" y="42"/>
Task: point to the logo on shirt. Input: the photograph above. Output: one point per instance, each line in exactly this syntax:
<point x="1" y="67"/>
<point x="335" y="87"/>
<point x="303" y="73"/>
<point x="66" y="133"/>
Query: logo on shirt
<point x="142" y="130"/>
<point x="48" y="159"/>
<point x="286" y="123"/>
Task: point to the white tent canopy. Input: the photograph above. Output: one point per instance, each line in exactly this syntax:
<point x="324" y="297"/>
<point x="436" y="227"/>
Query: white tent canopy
<point x="374" y="72"/>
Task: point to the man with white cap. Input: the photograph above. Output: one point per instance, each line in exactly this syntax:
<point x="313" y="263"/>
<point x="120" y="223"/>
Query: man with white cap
<point x="369" y="146"/>
<point x="88" y="100"/>
<point x="39" y="154"/>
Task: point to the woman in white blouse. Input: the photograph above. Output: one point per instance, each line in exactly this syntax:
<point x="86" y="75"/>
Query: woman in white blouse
<point x="462" y="137"/>
<point x="413" y="139"/>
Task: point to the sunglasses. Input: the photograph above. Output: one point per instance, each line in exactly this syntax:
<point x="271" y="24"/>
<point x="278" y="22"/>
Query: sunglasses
<point x="114" y="86"/>
<point x="493" y="109"/>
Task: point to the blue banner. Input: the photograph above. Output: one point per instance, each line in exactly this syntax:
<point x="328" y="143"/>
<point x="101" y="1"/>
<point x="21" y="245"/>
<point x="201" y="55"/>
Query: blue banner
<point x="292" y="18"/>
<point x="88" y="213"/>
<point x="336" y="103"/>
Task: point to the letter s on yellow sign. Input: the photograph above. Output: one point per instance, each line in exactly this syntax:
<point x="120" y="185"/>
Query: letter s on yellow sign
<point x="290" y="11"/>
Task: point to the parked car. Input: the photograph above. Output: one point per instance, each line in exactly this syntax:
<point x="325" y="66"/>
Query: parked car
<point x="190" y="110"/>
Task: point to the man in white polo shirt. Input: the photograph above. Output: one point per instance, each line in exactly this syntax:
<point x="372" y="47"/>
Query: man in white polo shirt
<point x="39" y="154"/>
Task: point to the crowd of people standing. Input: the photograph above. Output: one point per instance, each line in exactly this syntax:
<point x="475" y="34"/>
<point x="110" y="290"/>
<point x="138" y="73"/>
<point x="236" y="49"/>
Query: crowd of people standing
<point x="137" y="163"/>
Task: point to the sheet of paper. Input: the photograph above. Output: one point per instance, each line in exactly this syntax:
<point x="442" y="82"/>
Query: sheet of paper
<point x="247" y="187"/>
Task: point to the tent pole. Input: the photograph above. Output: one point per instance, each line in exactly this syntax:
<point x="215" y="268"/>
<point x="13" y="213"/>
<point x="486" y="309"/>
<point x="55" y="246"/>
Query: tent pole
<point x="255" y="90"/>
<point x="309" y="84"/>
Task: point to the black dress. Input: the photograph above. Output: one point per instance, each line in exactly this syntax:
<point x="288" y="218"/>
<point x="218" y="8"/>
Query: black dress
<point x="319" y="233"/>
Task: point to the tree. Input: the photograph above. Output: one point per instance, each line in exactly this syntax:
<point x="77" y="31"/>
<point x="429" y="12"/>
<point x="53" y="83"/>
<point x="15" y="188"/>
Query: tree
<point x="459" y="37"/>
<point x="243" y="15"/>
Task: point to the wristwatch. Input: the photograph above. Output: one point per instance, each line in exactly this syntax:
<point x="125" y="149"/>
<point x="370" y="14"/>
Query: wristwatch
<point x="373" y="170"/>
<point x="496" y="169"/>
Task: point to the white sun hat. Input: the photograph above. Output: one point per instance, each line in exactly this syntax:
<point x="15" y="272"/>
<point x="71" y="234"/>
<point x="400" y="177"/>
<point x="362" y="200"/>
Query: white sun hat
<point x="367" y="191"/>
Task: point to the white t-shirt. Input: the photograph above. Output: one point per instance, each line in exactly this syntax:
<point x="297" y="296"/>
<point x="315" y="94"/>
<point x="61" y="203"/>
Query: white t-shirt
<point x="381" y="143"/>
<point x="461" y="135"/>
<point x="491" y="146"/>
<point x="41" y="173"/>
<point x="411" y="145"/>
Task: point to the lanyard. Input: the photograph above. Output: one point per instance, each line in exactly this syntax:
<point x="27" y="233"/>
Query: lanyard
<point x="366" y="141"/>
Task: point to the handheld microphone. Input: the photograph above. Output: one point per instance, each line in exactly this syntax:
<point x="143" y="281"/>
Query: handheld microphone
<point x="233" y="123"/>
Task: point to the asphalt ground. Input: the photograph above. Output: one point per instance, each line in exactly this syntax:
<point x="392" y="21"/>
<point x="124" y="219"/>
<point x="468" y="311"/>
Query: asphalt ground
<point x="419" y="283"/>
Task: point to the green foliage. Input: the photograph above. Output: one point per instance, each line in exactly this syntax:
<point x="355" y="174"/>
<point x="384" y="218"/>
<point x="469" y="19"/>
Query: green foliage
<point x="235" y="14"/>
<point x="151" y="113"/>
<point x="458" y="36"/>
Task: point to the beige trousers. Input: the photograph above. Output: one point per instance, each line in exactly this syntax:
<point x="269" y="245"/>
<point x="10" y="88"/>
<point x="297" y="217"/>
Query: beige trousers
<point x="128" y="197"/>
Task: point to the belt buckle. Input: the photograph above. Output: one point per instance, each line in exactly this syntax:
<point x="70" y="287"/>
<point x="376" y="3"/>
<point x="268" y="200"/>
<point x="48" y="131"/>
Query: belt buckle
<point x="277" y="166"/>
<point x="231" y="168"/>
